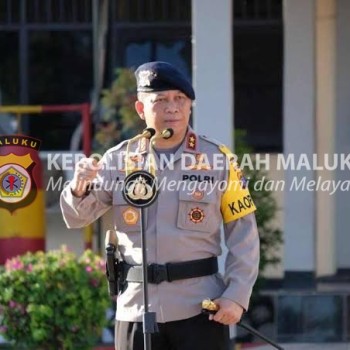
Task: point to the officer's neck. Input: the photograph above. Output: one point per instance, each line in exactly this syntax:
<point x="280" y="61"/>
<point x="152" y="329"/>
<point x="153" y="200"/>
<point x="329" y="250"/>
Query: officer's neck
<point x="169" y="143"/>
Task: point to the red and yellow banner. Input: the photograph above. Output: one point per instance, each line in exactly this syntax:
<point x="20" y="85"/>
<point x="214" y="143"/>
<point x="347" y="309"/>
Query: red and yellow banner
<point x="22" y="205"/>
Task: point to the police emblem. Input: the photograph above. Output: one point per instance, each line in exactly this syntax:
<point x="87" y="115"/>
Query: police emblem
<point x="196" y="215"/>
<point x="145" y="77"/>
<point x="15" y="183"/>
<point x="18" y="187"/>
<point x="140" y="189"/>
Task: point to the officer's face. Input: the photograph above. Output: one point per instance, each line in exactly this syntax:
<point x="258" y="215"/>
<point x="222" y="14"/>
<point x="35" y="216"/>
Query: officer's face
<point x="165" y="109"/>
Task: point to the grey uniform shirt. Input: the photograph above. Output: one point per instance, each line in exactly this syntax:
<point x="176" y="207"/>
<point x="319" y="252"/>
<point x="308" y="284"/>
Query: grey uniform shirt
<point x="182" y="224"/>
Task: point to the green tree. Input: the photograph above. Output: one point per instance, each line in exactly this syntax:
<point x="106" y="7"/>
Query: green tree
<point x="118" y="118"/>
<point x="270" y="236"/>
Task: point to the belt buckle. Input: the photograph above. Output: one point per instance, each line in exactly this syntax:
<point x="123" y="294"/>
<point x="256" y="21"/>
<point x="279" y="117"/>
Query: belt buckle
<point x="159" y="273"/>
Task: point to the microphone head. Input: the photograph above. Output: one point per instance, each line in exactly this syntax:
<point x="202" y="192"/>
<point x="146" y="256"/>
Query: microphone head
<point x="149" y="132"/>
<point x="167" y="133"/>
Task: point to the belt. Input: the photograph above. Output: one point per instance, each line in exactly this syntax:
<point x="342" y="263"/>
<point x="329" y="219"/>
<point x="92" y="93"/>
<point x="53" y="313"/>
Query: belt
<point x="172" y="271"/>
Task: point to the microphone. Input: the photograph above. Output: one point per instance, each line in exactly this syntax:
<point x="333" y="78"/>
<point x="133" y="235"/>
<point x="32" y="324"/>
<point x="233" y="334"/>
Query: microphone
<point x="165" y="134"/>
<point x="147" y="133"/>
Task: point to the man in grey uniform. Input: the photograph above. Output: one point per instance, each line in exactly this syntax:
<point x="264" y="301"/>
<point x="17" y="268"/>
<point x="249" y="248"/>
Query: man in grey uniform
<point x="197" y="193"/>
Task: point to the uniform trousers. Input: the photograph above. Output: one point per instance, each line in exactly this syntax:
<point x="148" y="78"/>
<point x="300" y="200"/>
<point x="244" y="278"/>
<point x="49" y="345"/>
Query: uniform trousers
<point x="195" y="333"/>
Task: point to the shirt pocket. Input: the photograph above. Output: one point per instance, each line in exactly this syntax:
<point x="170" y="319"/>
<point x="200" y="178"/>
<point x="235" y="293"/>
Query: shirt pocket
<point x="126" y="217"/>
<point x="198" y="211"/>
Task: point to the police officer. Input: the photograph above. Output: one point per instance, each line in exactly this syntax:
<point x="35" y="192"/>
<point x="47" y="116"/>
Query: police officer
<point x="182" y="225"/>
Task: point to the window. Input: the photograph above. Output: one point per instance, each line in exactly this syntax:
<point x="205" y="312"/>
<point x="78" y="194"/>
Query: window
<point x="60" y="72"/>
<point x="57" y="47"/>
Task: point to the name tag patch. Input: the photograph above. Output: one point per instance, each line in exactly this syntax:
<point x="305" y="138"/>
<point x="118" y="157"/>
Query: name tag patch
<point x="198" y="178"/>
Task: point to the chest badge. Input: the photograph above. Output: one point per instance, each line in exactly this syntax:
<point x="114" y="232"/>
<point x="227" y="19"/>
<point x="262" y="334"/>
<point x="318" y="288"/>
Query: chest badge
<point x="140" y="189"/>
<point x="130" y="216"/>
<point x="198" y="195"/>
<point x="196" y="215"/>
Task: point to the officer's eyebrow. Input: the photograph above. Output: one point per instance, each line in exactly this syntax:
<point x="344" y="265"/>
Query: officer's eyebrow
<point x="162" y="94"/>
<point x="156" y="95"/>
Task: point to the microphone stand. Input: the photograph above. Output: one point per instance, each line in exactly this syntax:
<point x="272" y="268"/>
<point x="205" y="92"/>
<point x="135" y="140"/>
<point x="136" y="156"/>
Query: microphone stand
<point x="111" y="243"/>
<point x="149" y="323"/>
<point x="140" y="191"/>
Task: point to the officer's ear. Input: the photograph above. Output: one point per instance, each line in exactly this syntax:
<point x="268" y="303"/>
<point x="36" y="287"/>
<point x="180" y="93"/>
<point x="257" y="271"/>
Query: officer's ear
<point x="139" y="106"/>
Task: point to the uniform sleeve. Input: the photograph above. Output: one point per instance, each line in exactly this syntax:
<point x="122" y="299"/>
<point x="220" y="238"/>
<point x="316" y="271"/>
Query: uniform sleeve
<point x="242" y="261"/>
<point x="241" y="235"/>
<point x="80" y="212"/>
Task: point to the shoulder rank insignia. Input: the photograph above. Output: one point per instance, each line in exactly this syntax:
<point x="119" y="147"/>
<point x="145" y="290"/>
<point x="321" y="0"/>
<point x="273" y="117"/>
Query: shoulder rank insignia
<point x="191" y="141"/>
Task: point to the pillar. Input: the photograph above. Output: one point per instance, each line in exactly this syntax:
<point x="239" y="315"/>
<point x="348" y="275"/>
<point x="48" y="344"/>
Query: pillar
<point x="299" y="138"/>
<point x="212" y="31"/>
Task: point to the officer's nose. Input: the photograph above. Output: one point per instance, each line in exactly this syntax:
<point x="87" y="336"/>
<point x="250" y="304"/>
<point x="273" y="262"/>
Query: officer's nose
<point x="172" y="107"/>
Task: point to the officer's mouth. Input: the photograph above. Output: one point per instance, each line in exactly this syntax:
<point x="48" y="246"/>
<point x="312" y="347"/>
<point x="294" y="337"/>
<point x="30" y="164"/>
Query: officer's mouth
<point x="172" y="121"/>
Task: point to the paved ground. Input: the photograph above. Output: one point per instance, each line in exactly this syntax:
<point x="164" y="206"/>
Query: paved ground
<point x="323" y="346"/>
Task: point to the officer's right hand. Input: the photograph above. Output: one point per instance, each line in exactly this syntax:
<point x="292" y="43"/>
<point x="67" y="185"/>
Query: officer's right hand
<point x="85" y="172"/>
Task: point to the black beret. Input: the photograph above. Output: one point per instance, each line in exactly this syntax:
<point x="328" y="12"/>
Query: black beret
<point x="161" y="76"/>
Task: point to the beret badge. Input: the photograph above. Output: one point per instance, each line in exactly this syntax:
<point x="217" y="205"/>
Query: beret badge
<point x="145" y="77"/>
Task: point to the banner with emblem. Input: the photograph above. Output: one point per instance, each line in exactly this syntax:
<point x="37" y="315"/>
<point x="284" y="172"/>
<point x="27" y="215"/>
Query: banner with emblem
<point x="22" y="204"/>
<point x="18" y="180"/>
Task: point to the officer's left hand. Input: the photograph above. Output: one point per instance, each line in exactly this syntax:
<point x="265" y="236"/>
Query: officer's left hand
<point x="229" y="312"/>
